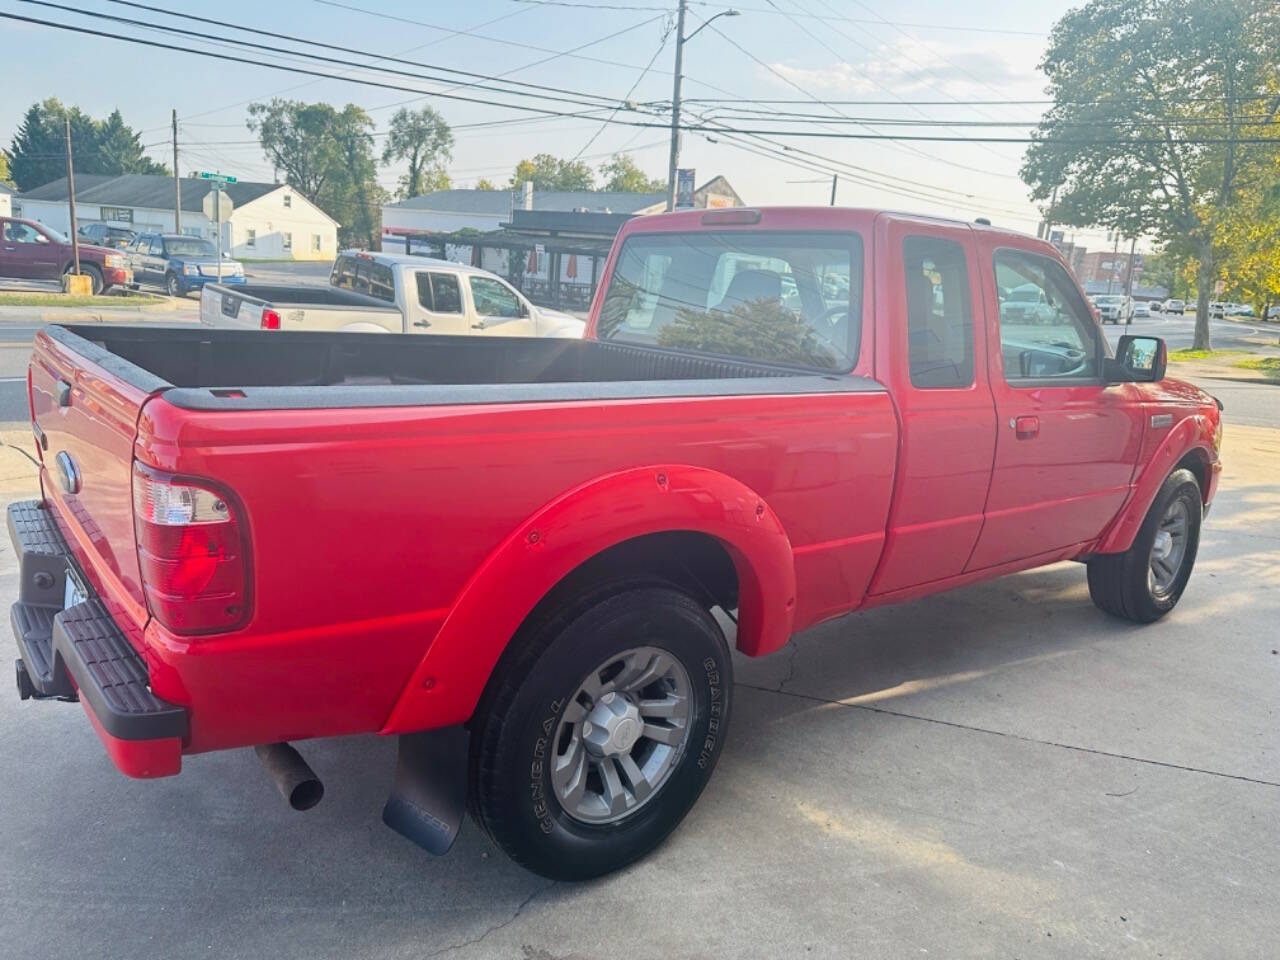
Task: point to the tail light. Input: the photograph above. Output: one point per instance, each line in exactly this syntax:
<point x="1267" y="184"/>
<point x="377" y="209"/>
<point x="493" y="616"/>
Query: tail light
<point x="192" y="553"/>
<point x="270" y="320"/>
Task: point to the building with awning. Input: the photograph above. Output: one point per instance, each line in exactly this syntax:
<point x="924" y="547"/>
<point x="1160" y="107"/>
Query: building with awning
<point x="551" y="244"/>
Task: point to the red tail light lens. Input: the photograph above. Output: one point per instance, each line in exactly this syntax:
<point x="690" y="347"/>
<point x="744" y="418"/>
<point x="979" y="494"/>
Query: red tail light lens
<point x="270" y="320"/>
<point x="192" y="553"/>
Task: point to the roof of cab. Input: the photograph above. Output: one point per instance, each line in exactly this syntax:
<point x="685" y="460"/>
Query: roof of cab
<point x="412" y="260"/>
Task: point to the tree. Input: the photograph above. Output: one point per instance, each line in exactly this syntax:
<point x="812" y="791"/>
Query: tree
<point x="120" y="150"/>
<point x="622" y="174"/>
<point x="327" y="156"/>
<point x="5" y="177"/>
<point x="298" y="139"/>
<point x="553" y="173"/>
<point x="422" y="138"/>
<point x="1249" y="236"/>
<point x="1155" y="105"/>
<point x="484" y="184"/>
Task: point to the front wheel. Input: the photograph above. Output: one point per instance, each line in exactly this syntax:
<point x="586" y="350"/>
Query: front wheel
<point x="174" y="286"/>
<point x="1146" y="581"/>
<point x="597" y="736"/>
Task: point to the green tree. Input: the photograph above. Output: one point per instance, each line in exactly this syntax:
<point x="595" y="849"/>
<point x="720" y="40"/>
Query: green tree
<point x="120" y="149"/>
<point x="1249" y="236"/>
<point x="553" y="173"/>
<point x="298" y="139"/>
<point x="5" y="177"/>
<point x="1155" y="102"/>
<point x="424" y="140"/>
<point x="327" y="155"/>
<point x="485" y="184"/>
<point x="621" y="173"/>
<point x="38" y="151"/>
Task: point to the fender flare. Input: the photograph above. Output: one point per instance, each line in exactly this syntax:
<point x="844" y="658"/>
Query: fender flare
<point x="1193" y="433"/>
<point x="570" y="530"/>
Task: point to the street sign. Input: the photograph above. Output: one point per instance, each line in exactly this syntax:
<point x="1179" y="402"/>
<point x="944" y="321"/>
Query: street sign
<point x="216" y="177"/>
<point x="684" y="187"/>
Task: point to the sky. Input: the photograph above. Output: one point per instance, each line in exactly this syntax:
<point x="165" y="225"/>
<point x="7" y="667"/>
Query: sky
<point x="912" y="60"/>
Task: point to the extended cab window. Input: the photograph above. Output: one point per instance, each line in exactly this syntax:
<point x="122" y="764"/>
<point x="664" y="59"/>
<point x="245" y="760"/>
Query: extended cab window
<point x="939" y="319"/>
<point x="439" y="293"/>
<point x="790" y="298"/>
<point x="1046" y="330"/>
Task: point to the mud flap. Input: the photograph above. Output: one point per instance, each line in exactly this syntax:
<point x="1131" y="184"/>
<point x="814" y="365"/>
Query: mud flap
<point x="430" y="793"/>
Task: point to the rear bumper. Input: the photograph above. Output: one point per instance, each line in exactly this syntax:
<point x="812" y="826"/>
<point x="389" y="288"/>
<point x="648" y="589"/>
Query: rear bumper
<point x="80" y="653"/>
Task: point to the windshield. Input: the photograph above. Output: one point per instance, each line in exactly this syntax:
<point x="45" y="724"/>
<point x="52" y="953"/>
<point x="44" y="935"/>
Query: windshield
<point x="189" y="247"/>
<point x="1108" y="301"/>
<point x="789" y="298"/>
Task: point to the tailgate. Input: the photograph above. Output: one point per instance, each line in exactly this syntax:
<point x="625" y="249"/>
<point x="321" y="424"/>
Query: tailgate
<point x="88" y="416"/>
<point x="222" y="306"/>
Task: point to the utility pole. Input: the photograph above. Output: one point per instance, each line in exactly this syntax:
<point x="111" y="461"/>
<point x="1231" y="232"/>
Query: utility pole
<point x="177" y="180"/>
<point x="1048" y="217"/>
<point x="834" y="179"/>
<point x="1111" y="274"/>
<point x="675" y="111"/>
<point x="217" y="213"/>
<point x="1128" y="279"/>
<point x="71" y="197"/>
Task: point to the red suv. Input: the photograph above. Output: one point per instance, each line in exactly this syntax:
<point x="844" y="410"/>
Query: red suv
<point x="33" y="251"/>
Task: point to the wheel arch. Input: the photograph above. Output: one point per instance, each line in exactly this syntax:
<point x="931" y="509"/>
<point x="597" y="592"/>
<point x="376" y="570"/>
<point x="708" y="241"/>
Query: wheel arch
<point x="628" y="522"/>
<point x="1189" y="445"/>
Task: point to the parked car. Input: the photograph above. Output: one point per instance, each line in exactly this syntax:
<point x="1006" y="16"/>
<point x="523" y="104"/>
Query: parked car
<point x="507" y="552"/>
<point x="33" y="251"/>
<point x="1273" y="313"/>
<point x="1114" y="307"/>
<point x="390" y="293"/>
<point x="1175" y="306"/>
<point x="1239" y="310"/>
<point x="1141" y="310"/>
<point x="180" y="263"/>
<point x="1157" y="306"/>
<point x="105" y="236"/>
<point x="1025" y="303"/>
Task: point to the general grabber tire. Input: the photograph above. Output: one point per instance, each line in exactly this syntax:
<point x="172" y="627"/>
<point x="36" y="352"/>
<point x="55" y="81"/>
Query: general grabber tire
<point x="599" y="731"/>
<point x="1145" y="582"/>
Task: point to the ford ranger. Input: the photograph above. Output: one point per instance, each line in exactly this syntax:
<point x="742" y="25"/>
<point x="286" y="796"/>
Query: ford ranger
<point x="507" y="552"/>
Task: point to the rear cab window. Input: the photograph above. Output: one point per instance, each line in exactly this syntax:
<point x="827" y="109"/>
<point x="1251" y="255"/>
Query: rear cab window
<point x="778" y="297"/>
<point x="365" y="276"/>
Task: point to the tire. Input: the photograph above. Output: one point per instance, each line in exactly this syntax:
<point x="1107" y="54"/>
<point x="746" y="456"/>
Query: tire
<point x="90" y="271"/>
<point x="1129" y="585"/>
<point x="173" y="286"/>
<point x="533" y="715"/>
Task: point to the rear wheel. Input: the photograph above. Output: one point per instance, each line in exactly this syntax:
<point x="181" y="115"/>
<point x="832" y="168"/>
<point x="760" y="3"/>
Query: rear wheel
<point x="173" y="285"/>
<point x="1146" y="581"/>
<point x="595" y="739"/>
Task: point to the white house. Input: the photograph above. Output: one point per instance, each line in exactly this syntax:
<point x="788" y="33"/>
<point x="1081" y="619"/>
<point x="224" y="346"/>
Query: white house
<point x="6" y="201"/>
<point x="266" y="221"/>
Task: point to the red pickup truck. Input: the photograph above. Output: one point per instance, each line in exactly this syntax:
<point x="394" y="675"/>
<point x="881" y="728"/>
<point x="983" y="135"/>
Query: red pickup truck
<point x="507" y="552"/>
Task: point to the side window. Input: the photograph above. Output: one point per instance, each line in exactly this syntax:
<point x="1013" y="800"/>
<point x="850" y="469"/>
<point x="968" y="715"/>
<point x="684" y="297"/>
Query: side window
<point x="493" y="299"/>
<point x="157" y="247"/>
<point x="939" y="318"/>
<point x="1046" y="330"/>
<point x="446" y="293"/>
<point x="250" y="237"/>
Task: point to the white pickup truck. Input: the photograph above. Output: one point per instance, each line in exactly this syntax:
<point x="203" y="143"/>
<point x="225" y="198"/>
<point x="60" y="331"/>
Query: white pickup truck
<point x="388" y="293"/>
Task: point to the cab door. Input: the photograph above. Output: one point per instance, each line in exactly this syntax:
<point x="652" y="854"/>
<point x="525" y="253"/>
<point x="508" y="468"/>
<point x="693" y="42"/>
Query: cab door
<point x="1067" y="442"/>
<point x="930" y="350"/>
<point x="497" y="309"/>
<point x="438" y="308"/>
<point x="19" y="251"/>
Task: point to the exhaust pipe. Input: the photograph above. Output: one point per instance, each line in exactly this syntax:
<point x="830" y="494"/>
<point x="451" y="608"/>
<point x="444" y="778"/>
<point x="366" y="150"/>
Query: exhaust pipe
<point x="295" y="780"/>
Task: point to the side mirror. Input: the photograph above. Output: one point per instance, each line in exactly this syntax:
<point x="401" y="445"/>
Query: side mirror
<point x="1138" y="360"/>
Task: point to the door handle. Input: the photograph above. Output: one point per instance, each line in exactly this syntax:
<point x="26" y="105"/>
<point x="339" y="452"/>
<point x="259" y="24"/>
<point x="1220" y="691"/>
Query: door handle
<point x="421" y="323"/>
<point x="1025" y="428"/>
<point x="478" y="326"/>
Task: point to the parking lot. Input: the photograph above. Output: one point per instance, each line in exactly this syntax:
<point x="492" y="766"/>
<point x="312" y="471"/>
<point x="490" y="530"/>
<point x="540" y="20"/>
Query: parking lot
<point x="997" y="771"/>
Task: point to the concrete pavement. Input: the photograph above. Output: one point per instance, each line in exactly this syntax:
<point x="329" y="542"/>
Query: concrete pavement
<point x="1000" y="771"/>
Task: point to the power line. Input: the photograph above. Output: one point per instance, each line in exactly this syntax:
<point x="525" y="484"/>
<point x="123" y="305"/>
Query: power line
<point x="576" y="100"/>
<point x="657" y="53"/>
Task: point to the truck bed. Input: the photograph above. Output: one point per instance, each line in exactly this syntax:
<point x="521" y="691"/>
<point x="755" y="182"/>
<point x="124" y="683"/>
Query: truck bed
<point x="204" y="369"/>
